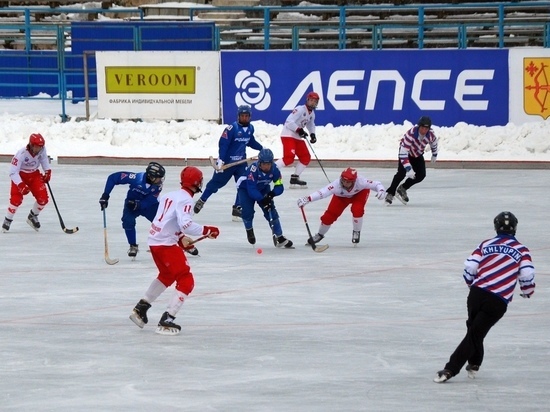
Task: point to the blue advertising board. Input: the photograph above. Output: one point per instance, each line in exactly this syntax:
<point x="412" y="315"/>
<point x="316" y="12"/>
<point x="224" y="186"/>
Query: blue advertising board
<point x="370" y="87"/>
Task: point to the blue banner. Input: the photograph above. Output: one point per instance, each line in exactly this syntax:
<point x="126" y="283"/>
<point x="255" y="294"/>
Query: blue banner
<point x="369" y="87"/>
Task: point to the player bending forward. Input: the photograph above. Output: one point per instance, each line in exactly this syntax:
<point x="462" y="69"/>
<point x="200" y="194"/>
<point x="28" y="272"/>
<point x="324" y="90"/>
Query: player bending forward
<point x="26" y="178"/>
<point x="350" y="189"/>
<point x="173" y="219"/>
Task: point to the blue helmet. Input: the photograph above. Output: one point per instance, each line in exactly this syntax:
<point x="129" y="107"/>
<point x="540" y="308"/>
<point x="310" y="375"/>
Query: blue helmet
<point x="265" y="156"/>
<point x="244" y="109"/>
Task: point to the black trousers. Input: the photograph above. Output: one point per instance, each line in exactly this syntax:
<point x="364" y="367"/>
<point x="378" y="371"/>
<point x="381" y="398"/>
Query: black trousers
<point x="419" y="166"/>
<point x="484" y="310"/>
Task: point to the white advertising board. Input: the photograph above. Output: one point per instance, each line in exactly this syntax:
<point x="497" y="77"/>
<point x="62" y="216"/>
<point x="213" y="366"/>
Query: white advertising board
<point x="165" y="85"/>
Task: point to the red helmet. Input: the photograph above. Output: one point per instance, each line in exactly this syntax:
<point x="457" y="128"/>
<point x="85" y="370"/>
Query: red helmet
<point x="349" y="174"/>
<point x="191" y="178"/>
<point x="36" y="139"/>
<point x="312" y="95"/>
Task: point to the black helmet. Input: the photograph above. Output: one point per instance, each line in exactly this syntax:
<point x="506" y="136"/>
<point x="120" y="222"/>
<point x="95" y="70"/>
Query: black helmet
<point x="155" y="171"/>
<point x="506" y="223"/>
<point x="425" y="121"/>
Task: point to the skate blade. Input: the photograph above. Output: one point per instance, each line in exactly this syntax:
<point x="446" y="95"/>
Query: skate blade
<point x="298" y="187"/>
<point x="31" y="225"/>
<point x="400" y="199"/>
<point x="163" y="330"/>
<point x="236" y="219"/>
<point x="137" y="320"/>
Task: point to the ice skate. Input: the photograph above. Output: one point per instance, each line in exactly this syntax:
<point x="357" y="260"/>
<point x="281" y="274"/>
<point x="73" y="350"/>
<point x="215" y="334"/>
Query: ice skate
<point x="167" y="326"/>
<point x="389" y="199"/>
<point x="355" y="236"/>
<point x="315" y="239"/>
<point x="198" y="206"/>
<point x="401" y="194"/>
<point x="250" y="236"/>
<point x="6" y="225"/>
<point x="33" y="222"/>
<point x="236" y="214"/>
<point x="296" y="183"/>
<point x="139" y="314"/>
<point x="282" y="242"/>
<point x="472" y="370"/>
<point x="443" y="376"/>
<point x="133" y="251"/>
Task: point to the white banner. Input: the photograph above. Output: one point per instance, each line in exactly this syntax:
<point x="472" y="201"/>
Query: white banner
<point x="165" y="85"/>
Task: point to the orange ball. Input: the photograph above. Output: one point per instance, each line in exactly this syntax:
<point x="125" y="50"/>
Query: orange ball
<point x="259" y="251"/>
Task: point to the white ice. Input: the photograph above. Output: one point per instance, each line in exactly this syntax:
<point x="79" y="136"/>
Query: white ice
<point x="352" y="329"/>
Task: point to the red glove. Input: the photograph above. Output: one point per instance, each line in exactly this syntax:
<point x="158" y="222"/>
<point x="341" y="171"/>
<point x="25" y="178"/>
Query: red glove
<point x="184" y="243"/>
<point x="211" y="231"/>
<point x="47" y="176"/>
<point x="23" y="189"/>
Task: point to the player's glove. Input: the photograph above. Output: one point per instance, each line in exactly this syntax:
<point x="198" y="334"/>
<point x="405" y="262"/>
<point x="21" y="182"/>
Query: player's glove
<point x="211" y="231"/>
<point x="301" y="132"/>
<point x="133" y="204"/>
<point x="219" y="165"/>
<point x="104" y="201"/>
<point x="303" y="201"/>
<point x="23" y="189"/>
<point x="434" y="158"/>
<point x="312" y="138"/>
<point x="47" y="176"/>
<point x="267" y="202"/>
<point x="381" y="194"/>
<point x="410" y="172"/>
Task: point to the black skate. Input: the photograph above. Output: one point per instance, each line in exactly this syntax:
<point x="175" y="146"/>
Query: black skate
<point x="296" y="183"/>
<point x="250" y="236"/>
<point x="133" y="251"/>
<point x="6" y="225"/>
<point x="282" y="242"/>
<point x="355" y="236"/>
<point x="167" y="326"/>
<point x="198" y="206"/>
<point x="139" y="314"/>
<point x="315" y="239"/>
<point x="389" y="199"/>
<point x="443" y="376"/>
<point x="401" y="194"/>
<point x="33" y="222"/>
<point x="472" y="370"/>
<point x="193" y="252"/>
<point x="236" y="214"/>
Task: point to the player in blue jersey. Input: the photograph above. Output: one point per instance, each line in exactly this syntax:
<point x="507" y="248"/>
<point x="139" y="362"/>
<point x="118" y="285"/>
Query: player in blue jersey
<point x="232" y="148"/>
<point x="141" y="199"/>
<point x="411" y="165"/>
<point x="255" y="187"/>
<point x="491" y="272"/>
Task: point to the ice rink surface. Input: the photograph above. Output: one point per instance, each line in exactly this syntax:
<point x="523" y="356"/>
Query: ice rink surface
<point x="352" y="329"/>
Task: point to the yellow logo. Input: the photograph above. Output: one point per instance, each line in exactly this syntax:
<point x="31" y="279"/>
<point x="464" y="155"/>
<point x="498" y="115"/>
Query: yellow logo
<point x="158" y="79"/>
<point x="536" y="87"/>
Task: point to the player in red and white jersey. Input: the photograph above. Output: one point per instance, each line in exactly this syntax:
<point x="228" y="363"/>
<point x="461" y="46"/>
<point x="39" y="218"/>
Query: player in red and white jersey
<point x="26" y="178"/>
<point x="293" y="135"/>
<point x="349" y="189"/>
<point x="411" y="164"/>
<point x="173" y="221"/>
<point x="491" y="272"/>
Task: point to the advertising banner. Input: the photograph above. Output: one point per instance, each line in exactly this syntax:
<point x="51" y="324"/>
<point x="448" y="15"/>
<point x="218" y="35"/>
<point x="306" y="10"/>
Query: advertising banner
<point x="370" y="87"/>
<point x="529" y="84"/>
<point x="158" y="85"/>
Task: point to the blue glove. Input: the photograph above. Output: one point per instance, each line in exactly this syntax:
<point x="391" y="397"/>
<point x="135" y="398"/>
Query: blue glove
<point x="132" y="204"/>
<point x="267" y="202"/>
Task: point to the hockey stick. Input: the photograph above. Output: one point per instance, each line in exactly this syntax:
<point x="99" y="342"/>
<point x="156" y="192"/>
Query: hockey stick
<point x="69" y="231"/>
<point x="228" y="165"/>
<point x="108" y="260"/>
<point x="196" y="240"/>
<point x="316" y="248"/>
<point x="318" y="161"/>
